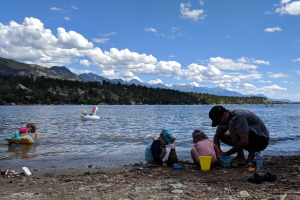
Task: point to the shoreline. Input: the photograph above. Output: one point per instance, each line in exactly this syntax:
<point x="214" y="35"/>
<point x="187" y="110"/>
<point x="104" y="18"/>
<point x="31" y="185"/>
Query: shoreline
<point x="139" y="181"/>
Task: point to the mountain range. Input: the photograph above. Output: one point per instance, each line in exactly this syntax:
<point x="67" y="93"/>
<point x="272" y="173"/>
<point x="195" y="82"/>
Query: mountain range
<point x="184" y="88"/>
<point x="9" y="66"/>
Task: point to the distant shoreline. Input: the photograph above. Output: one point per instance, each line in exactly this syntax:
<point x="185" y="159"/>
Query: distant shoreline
<point x="294" y="103"/>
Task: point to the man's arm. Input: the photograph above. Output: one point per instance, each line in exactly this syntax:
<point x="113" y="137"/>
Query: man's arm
<point x="238" y="140"/>
<point x="217" y="138"/>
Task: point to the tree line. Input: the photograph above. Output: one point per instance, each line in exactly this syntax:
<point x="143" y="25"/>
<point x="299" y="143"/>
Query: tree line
<point x="22" y="90"/>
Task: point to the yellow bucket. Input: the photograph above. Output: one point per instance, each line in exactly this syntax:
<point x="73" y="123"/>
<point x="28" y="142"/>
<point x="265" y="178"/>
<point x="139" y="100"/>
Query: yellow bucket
<point x="205" y="162"/>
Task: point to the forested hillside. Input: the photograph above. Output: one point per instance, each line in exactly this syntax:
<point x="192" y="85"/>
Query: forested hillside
<point x="41" y="90"/>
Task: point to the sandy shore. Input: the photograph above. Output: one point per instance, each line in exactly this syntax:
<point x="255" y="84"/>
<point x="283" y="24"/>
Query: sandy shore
<point x="139" y="181"/>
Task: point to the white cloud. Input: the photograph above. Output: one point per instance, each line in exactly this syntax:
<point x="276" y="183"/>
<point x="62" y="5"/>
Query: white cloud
<point x="151" y="30"/>
<point x="154" y="82"/>
<point x="168" y="67"/>
<point x="197" y="70"/>
<point x="103" y="40"/>
<point x="250" y="89"/>
<point x="100" y="40"/>
<point x="261" y="62"/>
<point x="123" y="59"/>
<point x="170" y="33"/>
<point x="195" y="84"/>
<point x="72" y="39"/>
<point x="67" y="18"/>
<point x="76" y="71"/>
<point x="274" y="29"/>
<point x="252" y="60"/>
<point x="74" y="7"/>
<point x="293" y="97"/>
<point x="297" y="60"/>
<point x="55" y="9"/>
<point x="108" y="34"/>
<point x="289" y="8"/>
<point x="249" y="77"/>
<point x="279" y="75"/>
<point x="128" y="75"/>
<point x="210" y="74"/>
<point x="85" y="62"/>
<point x="298" y="72"/>
<point x="225" y="85"/>
<point x="264" y="81"/>
<point x="273" y="87"/>
<point x="247" y="86"/>
<point x="109" y="73"/>
<point x="32" y="42"/>
<point x="195" y="14"/>
<point x="229" y="64"/>
<point x="285" y="1"/>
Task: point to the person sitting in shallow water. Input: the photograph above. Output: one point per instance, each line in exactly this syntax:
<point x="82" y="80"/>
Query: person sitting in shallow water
<point x="33" y="132"/>
<point x="156" y="149"/>
<point x="203" y="147"/>
<point x="23" y="132"/>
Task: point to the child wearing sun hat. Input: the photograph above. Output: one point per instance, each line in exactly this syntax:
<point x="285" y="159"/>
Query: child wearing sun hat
<point x="156" y="149"/>
<point x="23" y="132"/>
<point x="203" y="147"/>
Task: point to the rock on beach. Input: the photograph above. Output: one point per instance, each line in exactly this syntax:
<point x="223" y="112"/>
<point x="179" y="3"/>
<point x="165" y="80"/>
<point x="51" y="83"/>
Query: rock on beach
<point x="139" y="181"/>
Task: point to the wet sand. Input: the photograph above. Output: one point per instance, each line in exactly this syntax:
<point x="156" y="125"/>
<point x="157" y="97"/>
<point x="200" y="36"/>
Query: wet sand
<point x="139" y="181"/>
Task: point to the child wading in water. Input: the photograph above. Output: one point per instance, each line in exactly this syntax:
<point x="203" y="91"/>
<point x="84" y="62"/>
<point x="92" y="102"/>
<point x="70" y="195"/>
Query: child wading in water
<point x="33" y="132"/>
<point x="156" y="149"/>
<point x="23" y="132"/>
<point x="203" y="147"/>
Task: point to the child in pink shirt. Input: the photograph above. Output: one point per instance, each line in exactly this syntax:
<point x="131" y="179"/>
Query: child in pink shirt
<point x="203" y="147"/>
<point x="23" y="132"/>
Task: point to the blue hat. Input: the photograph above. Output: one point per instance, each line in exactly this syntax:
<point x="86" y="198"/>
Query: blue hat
<point x="168" y="135"/>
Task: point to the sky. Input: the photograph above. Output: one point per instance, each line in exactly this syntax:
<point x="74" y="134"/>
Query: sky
<point x="248" y="46"/>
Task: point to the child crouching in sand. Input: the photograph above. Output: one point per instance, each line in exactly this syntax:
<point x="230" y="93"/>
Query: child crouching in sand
<point x="203" y="147"/>
<point x="156" y="149"/>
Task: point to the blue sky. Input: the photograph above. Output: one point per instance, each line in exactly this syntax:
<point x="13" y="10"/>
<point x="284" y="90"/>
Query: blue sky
<point x="248" y="46"/>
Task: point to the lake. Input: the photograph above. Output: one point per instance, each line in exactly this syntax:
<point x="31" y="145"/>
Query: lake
<point x="122" y="133"/>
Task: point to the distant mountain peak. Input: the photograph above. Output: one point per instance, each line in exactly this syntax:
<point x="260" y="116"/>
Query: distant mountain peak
<point x="93" y="77"/>
<point x="62" y="70"/>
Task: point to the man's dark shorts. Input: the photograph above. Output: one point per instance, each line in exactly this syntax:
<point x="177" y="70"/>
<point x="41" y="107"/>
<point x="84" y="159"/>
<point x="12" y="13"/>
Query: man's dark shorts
<point x="256" y="143"/>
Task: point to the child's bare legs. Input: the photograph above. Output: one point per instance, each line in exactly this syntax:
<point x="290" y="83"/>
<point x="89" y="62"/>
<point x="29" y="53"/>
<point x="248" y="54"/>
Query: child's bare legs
<point x="194" y="155"/>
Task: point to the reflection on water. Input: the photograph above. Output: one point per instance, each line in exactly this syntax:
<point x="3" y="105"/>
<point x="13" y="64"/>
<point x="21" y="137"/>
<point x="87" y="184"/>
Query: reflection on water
<point x="21" y="150"/>
<point x="122" y="133"/>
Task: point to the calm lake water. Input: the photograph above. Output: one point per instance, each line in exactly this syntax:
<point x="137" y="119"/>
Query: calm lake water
<point x="123" y="132"/>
